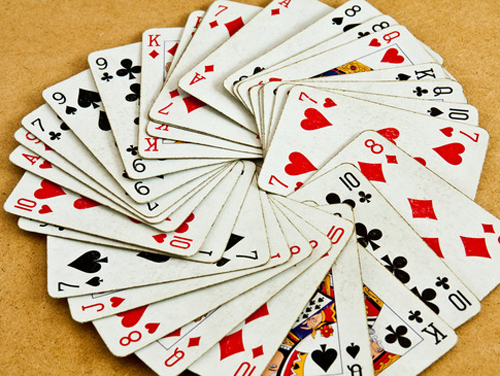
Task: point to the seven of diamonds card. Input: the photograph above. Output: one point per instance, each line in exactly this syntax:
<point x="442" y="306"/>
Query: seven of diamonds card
<point x="277" y="190"/>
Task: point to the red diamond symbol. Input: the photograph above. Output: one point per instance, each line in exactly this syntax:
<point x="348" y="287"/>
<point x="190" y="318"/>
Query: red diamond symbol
<point x="194" y="341"/>
<point x="422" y="209"/>
<point x="475" y="247"/>
<point x="391" y="159"/>
<point x="174" y="93"/>
<point x="213" y="24"/>
<point x="153" y="54"/>
<point x="209" y="68"/>
<point x="175" y="333"/>
<point x="234" y="25"/>
<point x="433" y="244"/>
<point x="275" y="11"/>
<point x="488" y="229"/>
<point x="192" y="103"/>
<point x="173" y="50"/>
<point x="262" y="311"/>
<point x="372" y="171"/>
<point x="231" y="344"/>
<point x="258" y="351"/>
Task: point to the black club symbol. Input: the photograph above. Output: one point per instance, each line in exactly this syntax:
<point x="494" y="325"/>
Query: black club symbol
<point x="364" y="197"/>
<point x="427" y="296"/>
<point x="125" y="175"/>
<point x="419" y="91"/>
<point x="136" y="93"/>
<point x="398" y="335"/>
<point x="106" y="77"/>
<point x="333" y="198"/>
<point x="415" y="316"/>
<point x="396" y="267"/>
<point x="64" y="127"/>
<point x="366" y="237"/>
<point x="363" y="34"/>
<point x="128" y="69"/>
<point x="443" y="282"/>
<point x="55" y="136"/>
<point x="132" y="150"/>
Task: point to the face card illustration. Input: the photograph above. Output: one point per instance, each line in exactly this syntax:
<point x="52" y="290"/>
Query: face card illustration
<point x="381" y="230"/>
<point x="330" y="336"/>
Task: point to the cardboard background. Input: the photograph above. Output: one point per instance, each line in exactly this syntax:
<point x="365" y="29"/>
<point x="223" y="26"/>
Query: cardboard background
<point x="45" y="42"/>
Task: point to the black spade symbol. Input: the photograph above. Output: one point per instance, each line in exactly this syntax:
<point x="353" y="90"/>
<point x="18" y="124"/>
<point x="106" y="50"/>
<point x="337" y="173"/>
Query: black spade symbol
<point x="324" y="358"/>
<point x="89" y="262"/>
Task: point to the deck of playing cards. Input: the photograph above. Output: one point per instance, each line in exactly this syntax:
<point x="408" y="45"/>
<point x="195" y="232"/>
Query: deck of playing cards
<point x="286" y="190"/>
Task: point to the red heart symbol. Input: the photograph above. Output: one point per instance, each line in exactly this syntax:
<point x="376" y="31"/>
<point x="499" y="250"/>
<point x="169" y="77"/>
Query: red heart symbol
<point x="134" y="220"/>
<point x="392" y="56"/>
<point x="451" y="152"/>
<point x="390" y="133"/>
<point x="116" y="301"/>
<point x="185" y="225"/>
<point x="329" y="103"/>
<point x="132" y="317"/>
<point x="45" y="164"/>
<point x="160" y="238"/>
<point x="45" y="209"/>
<point x="48" y="190"/>
<point x="374" y="43"/>
<point x="47" y="148"/>
<point x="152" y="326"/>
<point x="314" y="120"/>
<point x="299" y="164"/>
<point x="420" y="160"/>
<point x="84" y="203"/>
<point x="448" y="131"/>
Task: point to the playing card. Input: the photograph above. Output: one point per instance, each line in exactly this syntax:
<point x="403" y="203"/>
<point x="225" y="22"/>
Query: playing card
<point x="398" y="90"/>
<point x="327" y="121"/>
<point x="330" y="333"/>
<point x="405" y="335"/>
<point x="381" y="230"/>
<point x="389" y="47"/>
<point x="82" y="308"/>
<point x="339" y="20"/>
<point x="170" y="314"/>
<point x="459" y="231"/>
<point x="278" y="21"/>
<point x="99" y="140"/>
<point x="66" y="209"/>
<point x="150" y="211"/>
<point x="158" y="356"/>
<point x="175" y="107"/>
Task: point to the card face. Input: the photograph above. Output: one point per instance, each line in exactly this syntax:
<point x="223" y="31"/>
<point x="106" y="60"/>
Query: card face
<point x="459" y="231"/>
<point x="43" y="200"/>
<point x="172" y="313"/>
<point x="176" y="358"/>
<point x="341" y="19"/>
<point x="405" y="335"/>
<point x="391" y="47"/>
<point x="383" y="232"/>
<point x="327" y="122"/>
<point x="330" y="334"/>
<point x="64" y="96"/>
<point x="158" y="48"/>
<point x="176" y="107"/>
<point x="274" y="24"/>
<point x="94" y="306"/>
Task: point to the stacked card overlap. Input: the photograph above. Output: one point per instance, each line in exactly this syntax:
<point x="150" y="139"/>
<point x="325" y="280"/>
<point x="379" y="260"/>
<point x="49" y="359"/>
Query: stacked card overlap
<point x="265" y="191"/>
